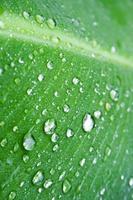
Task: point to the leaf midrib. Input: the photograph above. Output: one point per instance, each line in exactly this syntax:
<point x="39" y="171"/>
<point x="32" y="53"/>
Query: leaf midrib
<point x="16" y="27"/>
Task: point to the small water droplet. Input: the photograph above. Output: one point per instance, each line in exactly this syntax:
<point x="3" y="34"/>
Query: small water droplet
<point x="97" y="114"/>
<point x="25" y="158"/>
<point x="50" y="65"/>
<point x="3" y="142"/>
<point x="1" y="71"/>
<point x="2" y="24"/>
<point x="12" y="195"/>
<point x="38" y="178"/>
<point x="88" y="123"/>
<point x="39" y="19"/>
<point x="40" y="77"/>
<point x="66" y="108"/>
<point x="107" y="152"/>
<point x="54" y="137"/>
<point x="15" y="129"/>
<point x="29" y="92"/>
<point x="66" y="186"/>
<point x="75" y="80"/>
<point x="69" y="133"/>
<point x="61" y="177"/>
<point x="107" y="106"/>
<point x="55" y="147"/>
<point x="44" y="112"/>
<point x="82" y="162"/>
<point x="49" y="126"/>
<point x="48" y="183"/>
<point x="114" y="95"/>
<point x="51" y="23"/>
<point x="28" y="142"/>
<point x="102" y="191"/>
<point x="26" y="15"/>
<point x="131" y="182"/>
<point x="16" y="147"/>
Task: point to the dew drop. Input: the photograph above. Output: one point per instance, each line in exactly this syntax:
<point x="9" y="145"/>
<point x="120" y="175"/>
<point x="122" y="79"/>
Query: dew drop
<point x="114" y="95"/>
<point x="66" y="186"/>
<point x="12" y="195"/>
<point x="29" y="92"/>
<point x="25" y="158"/>
<point x="69" y="133"/>
<point x="102" y="191"/>
<point x="28" y="142"/>
<point x="61" y="177"/>
<point x="66" y="108"/>
<point x="49" y="126"/>
<point x="88" y="123"/>
<point x="48" y="183"/>
<point x="55" y="147"/>
<point x="3" y="142"/>
<point x="107" y="106"/>
<point x="54" y="137"/>
<point x="51" y="23"/>
<point x="131" y="182"/>
<point x="15" y="129"/>
<point x="50" y="65"/>
<point x="82" y="162"/>
<point x="40" y="77"/>
<point x="97" y="114"/>
<point x="107" y="152"/>
<point x="39" y="19"/>
<point x="26" y="15"/>
<point x="1" y="25"/>
<point x="75" y="81"/>
<point x="38" y="178"/>
<point x="1" y="71"/>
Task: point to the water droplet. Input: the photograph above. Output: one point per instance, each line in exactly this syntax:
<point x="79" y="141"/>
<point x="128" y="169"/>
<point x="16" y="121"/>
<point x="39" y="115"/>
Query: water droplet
<point x="52" y="171"/>
<point x="66" y="108"/>
<point x="29" y="92"/>
<point x="88" y="123"/>
<point x="66" y="186"/>
<point x="102" y="191"/>
<point x="113" y="49"/>
<point x="49" y="126"/>
<point x="1" y="25"/>
<point x="82" y="162"/>
<point x="17" y="81"/>
<point x="114" y="95"/>
<point x="94" y="161"/>
<point x="107" y="106"/>
<point x="39" y="19"/>
<point x="75" y="81"/>
<point x="48" y="183"/>
<point x="15" y="129"/>
<point x="26" y="15"/>
<point x="28" y="142"/>
<point x="131" y="182"/>
<point x="97" y="114"/>
<point x="44" y="112"/>
<point x="12" y="195"/>
<point x="107" y="152"/>
<point x="51" y="23"/>
<point x="1" y="71"/>
<point x="69" y="133"/>
<point x="61" y="177"/>
<point x="40" y="77"/>
<point x="16" y="147"/>
<point x="50" y="65"/>
<point x="3" y="142"/>
<point x="25" y="158"/>
<point x="55" y="147"/>
<point x="54" y="137"/>
<point x="38" y="178"/>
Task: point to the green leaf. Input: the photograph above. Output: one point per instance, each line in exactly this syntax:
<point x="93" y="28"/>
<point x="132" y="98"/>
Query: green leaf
<point x="66" y="99"/>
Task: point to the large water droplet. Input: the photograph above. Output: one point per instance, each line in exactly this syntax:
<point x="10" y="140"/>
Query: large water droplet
<point x="88" y="123"/>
